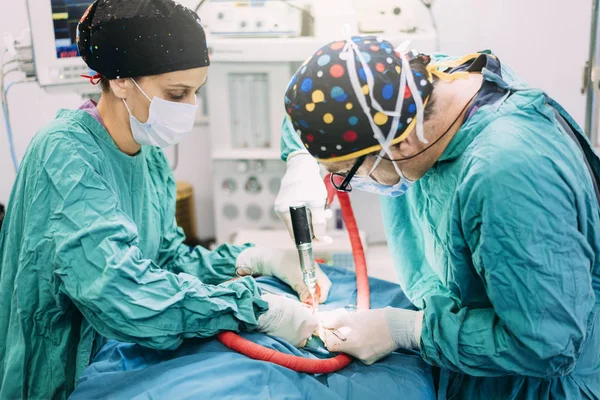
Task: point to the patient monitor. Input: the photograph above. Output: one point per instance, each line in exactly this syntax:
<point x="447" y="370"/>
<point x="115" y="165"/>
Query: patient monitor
<point x="53" y="34"/>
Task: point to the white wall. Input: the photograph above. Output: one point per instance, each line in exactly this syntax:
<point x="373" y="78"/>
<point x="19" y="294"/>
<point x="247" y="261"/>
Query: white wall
<point x="544" y="41"/>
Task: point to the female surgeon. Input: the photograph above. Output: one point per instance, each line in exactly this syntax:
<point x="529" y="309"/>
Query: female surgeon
<point x="490" y="201"/>
<point x="89" y="248"/>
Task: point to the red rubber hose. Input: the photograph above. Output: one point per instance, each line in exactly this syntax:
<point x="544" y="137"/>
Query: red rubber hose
<point x="363" y="292"/>
<point x="363" y="296"/>
<point x="307" y="365"/>
<point x="295" y="363"/>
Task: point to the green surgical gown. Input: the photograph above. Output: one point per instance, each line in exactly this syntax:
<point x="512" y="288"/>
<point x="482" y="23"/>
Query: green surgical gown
<point x="90" y="249"/>
<point x="499" y="245"/>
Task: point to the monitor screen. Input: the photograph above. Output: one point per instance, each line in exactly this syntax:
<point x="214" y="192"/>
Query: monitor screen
<point x="65" y="16"/>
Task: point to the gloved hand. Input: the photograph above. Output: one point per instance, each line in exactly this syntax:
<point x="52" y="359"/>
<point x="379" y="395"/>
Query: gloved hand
<point x="372" y="334"/>
<point x="283" y="265"/>
<point x="287" y="319"/>
<point x="302" y="183"/>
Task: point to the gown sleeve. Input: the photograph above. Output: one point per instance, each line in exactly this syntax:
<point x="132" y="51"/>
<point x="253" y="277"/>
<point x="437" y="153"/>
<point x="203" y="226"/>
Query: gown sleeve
<point x="523" y="224"/>
<point x="290" y="141"/>
<point x="211" y="267"/>
<point x="100" y="267"/>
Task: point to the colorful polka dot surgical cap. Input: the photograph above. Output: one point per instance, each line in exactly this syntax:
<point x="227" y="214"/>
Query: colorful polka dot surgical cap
<point x="136" y="38"/>
<point x="356" y="97"/>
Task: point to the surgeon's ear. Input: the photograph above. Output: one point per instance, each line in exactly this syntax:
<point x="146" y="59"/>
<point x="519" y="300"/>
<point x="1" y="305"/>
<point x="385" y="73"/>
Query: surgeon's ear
<point x="120" y="87"/>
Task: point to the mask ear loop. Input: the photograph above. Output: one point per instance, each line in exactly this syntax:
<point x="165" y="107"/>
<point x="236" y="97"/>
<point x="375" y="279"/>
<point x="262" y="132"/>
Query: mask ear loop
<point x="140" y="89"/>
<point x="403" y="47"/>
<point x="368" y="73"/>
<point x="371" y="85"/>
<point x="127" y="107"/>
<point x="138" y="86"/>
<point x="385" y="147"/>
<point x="348" y="55"/>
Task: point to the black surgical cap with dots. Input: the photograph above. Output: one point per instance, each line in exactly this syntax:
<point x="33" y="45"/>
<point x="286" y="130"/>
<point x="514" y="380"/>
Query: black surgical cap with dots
<point x="135" y="38"/>
<point x="325" y="109"/>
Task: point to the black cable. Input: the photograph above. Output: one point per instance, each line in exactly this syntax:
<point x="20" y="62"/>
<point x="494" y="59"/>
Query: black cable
<point x="199" y="5"/>
<point x="438" y="139"/>
<point x="428" y="4"/>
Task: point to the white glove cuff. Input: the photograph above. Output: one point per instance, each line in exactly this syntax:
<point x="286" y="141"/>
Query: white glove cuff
<point x="297" y="153"/>
<point x="271" y="319"/>
<point x="302" y="159"/>
<point x="405" y="327"/>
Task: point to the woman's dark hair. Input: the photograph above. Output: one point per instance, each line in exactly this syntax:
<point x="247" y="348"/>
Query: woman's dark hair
<point x="105" y="85"/>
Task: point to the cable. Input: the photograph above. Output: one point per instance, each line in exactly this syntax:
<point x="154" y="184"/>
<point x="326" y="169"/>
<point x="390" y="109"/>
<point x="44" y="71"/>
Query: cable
<point x="10" y="62"/>
<point x="428" y="4"/>
<point x="199" y="5"/>
<point x="304" y="10"/>
<point x="8" y="126"/>
<point x="3" y="74"/>
<point x="5" y="110"/>
<point x="591" y="112"/>
<point x="439" y="138"/>
<point x="4" y="52"/>
<point x="4" y="100"/>
<point x="11" y="70"/>
<point x="2" y="64"/>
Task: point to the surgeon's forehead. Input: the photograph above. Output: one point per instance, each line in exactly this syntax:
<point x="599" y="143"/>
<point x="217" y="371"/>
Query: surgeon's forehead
<point x="187" y="79"/>
<point x="338" y="167"/>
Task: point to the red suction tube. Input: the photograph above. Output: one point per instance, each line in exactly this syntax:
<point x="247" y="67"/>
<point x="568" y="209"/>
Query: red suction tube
<point x="307" y="365"/>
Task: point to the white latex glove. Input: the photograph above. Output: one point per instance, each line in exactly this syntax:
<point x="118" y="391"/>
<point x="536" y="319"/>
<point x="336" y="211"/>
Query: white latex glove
<point x="260" y="261"/>
<point x="373" y="334"/>
<point x="302" y="183"/>
<point x="287" y="319"/>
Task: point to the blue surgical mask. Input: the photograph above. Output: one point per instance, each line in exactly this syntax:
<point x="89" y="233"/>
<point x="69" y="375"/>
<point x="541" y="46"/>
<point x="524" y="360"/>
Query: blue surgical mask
<point x="368" y="184"/>
<point x="168" y="122"/>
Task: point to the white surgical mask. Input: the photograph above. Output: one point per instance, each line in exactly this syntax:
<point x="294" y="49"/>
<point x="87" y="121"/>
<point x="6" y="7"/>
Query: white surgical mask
<point x="168" y="122"/>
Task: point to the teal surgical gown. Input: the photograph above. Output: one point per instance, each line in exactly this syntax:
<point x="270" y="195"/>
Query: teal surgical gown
<point x="499" y="245"/>
<point x="90" y="250"/>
